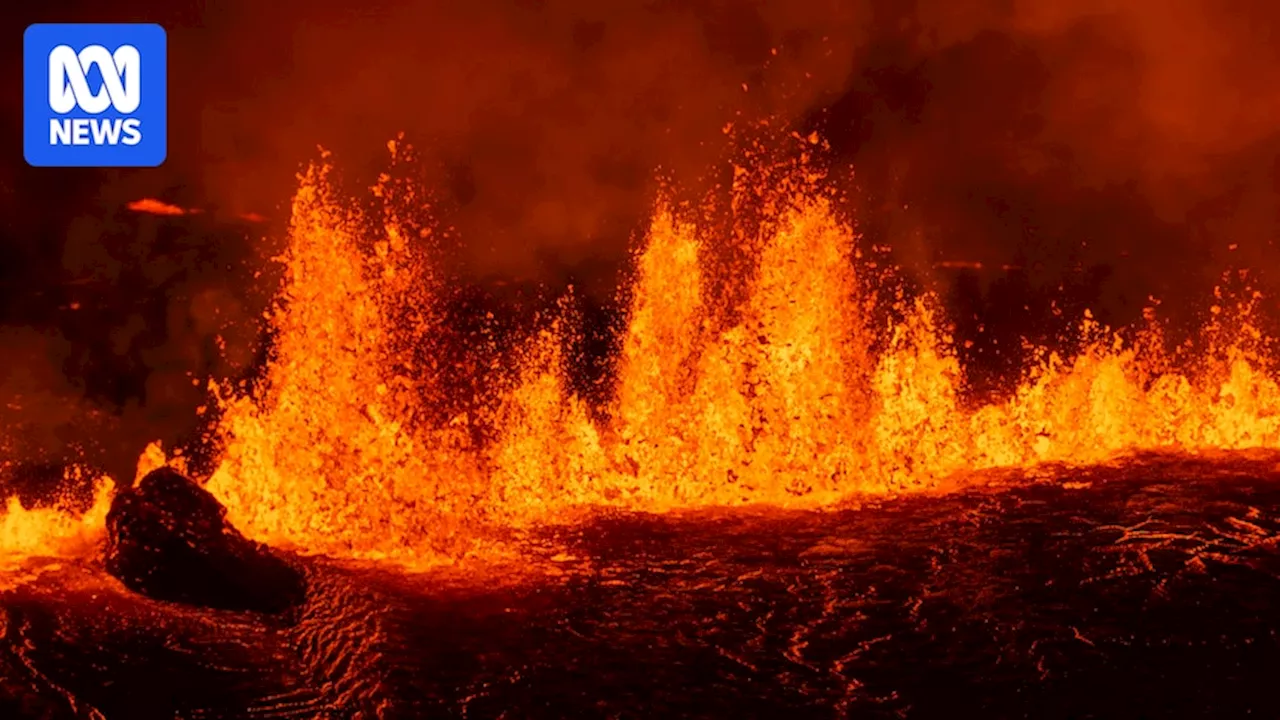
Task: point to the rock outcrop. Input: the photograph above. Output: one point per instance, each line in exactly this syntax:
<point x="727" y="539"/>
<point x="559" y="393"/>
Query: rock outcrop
<point x="169" y="539"/>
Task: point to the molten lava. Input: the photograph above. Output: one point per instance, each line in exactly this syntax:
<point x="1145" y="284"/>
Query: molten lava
<point x="56" y="531"/>
<point x="326" y="454"/>
<point x="793" y="397"/>
<point x="152" y="206"/>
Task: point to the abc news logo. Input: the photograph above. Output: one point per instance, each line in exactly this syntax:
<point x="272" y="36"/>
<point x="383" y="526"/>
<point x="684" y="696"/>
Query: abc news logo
<point x="94" y="95"/>
<point x="69" y="89"/>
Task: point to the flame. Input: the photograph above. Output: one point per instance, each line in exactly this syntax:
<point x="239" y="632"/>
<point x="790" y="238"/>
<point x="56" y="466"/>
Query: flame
<point x="805" y="390"/>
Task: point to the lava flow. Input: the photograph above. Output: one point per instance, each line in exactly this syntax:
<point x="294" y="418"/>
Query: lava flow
<point x="806" y="392"/>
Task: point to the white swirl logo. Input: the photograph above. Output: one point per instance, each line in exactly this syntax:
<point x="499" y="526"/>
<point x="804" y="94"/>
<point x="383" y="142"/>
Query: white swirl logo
<point x="69" y="84"/>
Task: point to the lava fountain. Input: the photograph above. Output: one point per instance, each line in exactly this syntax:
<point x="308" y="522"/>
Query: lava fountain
<point x="807" y="392"/>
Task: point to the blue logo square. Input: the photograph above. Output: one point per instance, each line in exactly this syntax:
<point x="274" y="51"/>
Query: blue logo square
<point x="94" y="95"/>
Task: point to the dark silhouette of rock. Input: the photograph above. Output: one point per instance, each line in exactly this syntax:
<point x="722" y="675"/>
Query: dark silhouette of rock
<point x="169" y="539"/>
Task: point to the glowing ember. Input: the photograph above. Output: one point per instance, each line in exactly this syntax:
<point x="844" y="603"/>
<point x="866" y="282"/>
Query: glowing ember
<point x="152" y="206"/>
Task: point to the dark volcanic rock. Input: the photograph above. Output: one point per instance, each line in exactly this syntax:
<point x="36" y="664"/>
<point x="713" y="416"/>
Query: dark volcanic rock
<point x="169" y="539"/>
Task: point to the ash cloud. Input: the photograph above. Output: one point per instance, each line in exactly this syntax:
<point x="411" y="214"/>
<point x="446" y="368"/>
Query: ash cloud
<point x="1138" y="136"/>
<point x="545" y="122"/>
<point x="1135" y="134"/>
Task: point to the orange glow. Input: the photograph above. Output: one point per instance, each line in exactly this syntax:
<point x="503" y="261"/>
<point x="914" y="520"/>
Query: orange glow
<point x="548" y="455"/>
<point x="153" y="206"/>
<point x="57" y="531"/>
<point x="328" y="454"/>
<point x="785" y="407"/>
<point x="153" y="458"/>
<point x="793" y="397"/>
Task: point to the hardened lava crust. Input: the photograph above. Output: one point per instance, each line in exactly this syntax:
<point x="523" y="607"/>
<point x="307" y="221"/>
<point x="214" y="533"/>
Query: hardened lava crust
<point x="1146" y="588"/>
